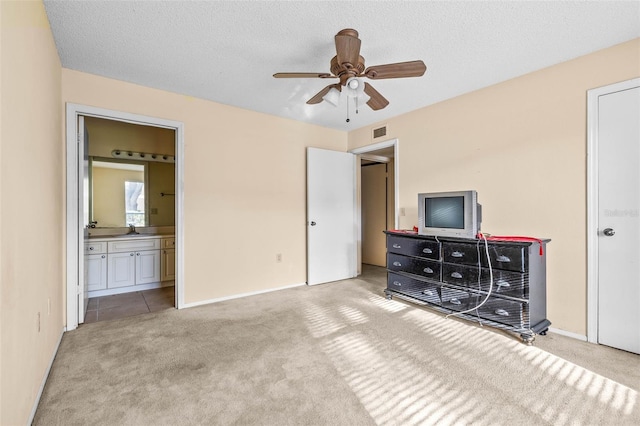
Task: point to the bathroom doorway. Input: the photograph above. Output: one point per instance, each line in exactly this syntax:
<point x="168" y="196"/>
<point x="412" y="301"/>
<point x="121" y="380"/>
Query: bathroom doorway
<point x="79" y="225"/>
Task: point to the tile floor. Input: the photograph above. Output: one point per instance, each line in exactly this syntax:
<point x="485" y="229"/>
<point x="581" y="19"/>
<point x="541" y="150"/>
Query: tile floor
<point x="128" y="304"/>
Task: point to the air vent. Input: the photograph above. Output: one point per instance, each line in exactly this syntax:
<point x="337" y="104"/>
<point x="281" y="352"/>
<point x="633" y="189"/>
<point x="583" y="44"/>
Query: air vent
<point x="380" y="132"/>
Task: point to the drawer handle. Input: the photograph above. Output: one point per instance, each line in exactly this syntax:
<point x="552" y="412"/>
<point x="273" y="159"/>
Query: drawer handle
<point x="503" y="283"/>
<point x="503" y="259"/>
<point x="397" y="246"/>
<point x="457" y="254"/>
<point x="456" y="301"/>
<point x="103" y="256"/>
<point x="130" y="254"/>
<point x="428" y="292"/>
<point x="90" y="248"/>
<point x="501" y="312"/>
<point x="428" y="270"/>
<point x="396" y="263"/>
<point x="137" y="254"/>
<point x="456" y="275"/>
<point x="427" y="251"/>
<point x="398" y="283"/>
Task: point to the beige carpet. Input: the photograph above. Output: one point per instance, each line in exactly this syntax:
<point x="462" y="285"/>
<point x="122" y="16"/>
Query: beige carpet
<point x="334" y="354"/>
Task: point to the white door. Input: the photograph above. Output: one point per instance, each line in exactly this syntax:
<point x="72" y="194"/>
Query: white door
<point x="122" y="269"/>
<point x="83" y="219"/>
<point x="331" y="216"/>
<point x="147" y="266"/>
<point x="96" y="271"/>
<point x="619" y="219"/>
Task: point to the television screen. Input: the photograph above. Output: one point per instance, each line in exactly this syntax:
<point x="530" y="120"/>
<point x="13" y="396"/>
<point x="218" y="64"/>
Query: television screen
<point x="444" y="212"/>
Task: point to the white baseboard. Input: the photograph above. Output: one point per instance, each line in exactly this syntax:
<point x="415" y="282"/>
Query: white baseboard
<point x="44" y="379"/>
<point x="131" y="289"/>
<point x="238" y="296"/>
<point x="568" y="334"/>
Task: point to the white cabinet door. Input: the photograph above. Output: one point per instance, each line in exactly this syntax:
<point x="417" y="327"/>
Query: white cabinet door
<point x="147" y="266"/>
<point x="122" y="269"/>
<point x="96" y="272"/>
<point x="168" y="265"/>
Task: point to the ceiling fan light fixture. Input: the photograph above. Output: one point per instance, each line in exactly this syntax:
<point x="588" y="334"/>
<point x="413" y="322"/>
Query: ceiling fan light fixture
<point x="354" y="88"/>
<point x="332" y="96"/>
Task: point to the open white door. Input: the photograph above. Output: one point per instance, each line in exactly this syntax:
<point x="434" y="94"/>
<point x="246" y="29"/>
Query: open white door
<point x="331" y="216"/>
<point x="83" y="217"/>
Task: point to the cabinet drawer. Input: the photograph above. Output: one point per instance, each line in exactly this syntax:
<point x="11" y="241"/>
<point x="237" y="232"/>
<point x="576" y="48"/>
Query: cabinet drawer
<point x="456" y="300"/>
<point x="507" y="258"/>
<point x="505" y="283"/>
<point x="134" y="245"/>
<point x="169" y="243"/>
<point x="95" y="247"/>
<point x="463" y="253"/>
<point x="413" y="265"/>
<point x="429" y="292"/>
<point x="504" y="311"/>
<point x="413" y="247"/>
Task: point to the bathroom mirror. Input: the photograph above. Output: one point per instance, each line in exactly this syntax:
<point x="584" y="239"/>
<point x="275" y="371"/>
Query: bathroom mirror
<point x="131" y="192"/>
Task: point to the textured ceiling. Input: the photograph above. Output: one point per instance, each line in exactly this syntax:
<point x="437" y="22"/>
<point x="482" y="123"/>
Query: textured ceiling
<point x="227" y="51"/>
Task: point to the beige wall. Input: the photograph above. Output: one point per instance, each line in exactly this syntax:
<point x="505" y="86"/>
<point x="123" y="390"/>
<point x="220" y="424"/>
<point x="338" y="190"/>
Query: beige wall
<point x="244" y="185"/>
<point x="32" y="196"/>
<point x="161" y="180"/>
<point x="107" y="135"/>
<point x="522" y="145"/>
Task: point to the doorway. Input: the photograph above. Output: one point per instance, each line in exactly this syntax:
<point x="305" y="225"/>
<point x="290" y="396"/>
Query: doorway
<point x="77" y="209"/>
<point x="377" y="199"/>
<point x="613" y="216"/>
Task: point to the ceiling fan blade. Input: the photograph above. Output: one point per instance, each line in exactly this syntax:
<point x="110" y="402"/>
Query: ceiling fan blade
<point x="348" y="47"/>
<point x="397" y="70"/>
<point x="318" y="97"/>
<point x="376" y="100"/>
<point x="302" y="75"/>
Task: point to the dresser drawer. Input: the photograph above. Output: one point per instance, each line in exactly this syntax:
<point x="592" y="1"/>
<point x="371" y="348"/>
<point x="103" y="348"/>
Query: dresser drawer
<point x="414" y="265"/>
<point x="456" y="300"/>
<point x="504" y="311"/>
<point x="463" y="253"/>
<point x="507" y="258"/>
<point x="507" y="283"/>
<point x="413" y="247"/>
<point x="429" y="292"/>
<point x="95" y="247"/>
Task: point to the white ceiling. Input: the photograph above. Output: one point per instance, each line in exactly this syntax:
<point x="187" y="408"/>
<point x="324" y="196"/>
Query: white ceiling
<point x="227" y="51"/>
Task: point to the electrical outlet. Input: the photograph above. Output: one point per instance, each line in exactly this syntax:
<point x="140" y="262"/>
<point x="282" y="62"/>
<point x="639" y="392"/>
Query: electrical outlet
<point x="279" y="257"/>
<point x="154" y="210"/>
<point x="401" y="211"/>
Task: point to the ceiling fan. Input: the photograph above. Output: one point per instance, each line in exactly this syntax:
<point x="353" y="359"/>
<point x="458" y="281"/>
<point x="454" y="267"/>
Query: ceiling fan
<point x="348" y="66"/>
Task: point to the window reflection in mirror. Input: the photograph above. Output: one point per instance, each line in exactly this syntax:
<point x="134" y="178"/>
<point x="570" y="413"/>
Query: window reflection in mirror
<point x="118" y="193"/>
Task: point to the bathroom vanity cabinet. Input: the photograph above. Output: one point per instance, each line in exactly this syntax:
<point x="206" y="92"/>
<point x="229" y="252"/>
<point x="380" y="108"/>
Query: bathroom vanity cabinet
<point x="123" y="264"/>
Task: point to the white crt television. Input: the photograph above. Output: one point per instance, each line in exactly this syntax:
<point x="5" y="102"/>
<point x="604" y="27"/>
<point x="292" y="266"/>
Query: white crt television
<point x="449" y="214"/>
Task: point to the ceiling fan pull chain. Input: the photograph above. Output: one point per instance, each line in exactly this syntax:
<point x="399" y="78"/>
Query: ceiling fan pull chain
<point x="356" y="98"/>
<point x="347" y="110"/>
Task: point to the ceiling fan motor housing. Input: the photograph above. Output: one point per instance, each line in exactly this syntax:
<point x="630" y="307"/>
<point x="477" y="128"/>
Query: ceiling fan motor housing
<point x="346" y="70"/>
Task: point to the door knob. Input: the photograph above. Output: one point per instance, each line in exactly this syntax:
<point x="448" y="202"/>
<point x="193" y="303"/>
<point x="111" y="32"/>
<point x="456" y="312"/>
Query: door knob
<point x="312" y="223"/>
<point x="609" y="232"/>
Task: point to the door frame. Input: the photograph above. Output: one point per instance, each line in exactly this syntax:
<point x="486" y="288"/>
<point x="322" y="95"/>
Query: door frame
<point x="396" y="185"/>
<point x="74" y="233"/>
<point x="592" y="199"/>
